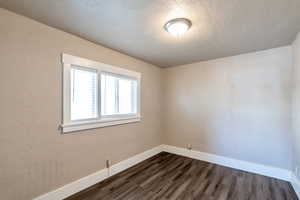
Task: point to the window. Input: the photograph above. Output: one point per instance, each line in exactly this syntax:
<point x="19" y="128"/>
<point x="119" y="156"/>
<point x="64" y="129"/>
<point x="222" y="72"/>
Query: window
<point x="84" y="88"/>
<point x="118" y="95"/>
<point x="97" y="95"/>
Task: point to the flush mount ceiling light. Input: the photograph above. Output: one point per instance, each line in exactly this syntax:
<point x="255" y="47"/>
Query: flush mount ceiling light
<point x="178" y="26"/>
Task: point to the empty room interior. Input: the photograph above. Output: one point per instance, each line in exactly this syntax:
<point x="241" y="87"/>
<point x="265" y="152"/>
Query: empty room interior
<point x="150" y="100"/>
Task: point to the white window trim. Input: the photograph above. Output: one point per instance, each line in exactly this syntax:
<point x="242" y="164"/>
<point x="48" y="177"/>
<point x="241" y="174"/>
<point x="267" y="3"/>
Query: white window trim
<point x="71" y="126"/>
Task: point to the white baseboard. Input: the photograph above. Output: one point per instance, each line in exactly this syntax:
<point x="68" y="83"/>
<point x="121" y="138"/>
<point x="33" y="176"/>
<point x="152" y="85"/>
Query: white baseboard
<point x="96" y="177"/>
<point x="121" y="166"/>
<point x="296" y="184"/>
<point x="99" y="176"/>
<point x="274" y="172"/>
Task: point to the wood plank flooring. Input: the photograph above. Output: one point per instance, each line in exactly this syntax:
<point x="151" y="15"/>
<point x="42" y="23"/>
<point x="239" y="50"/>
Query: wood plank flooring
<point x="172" y="177"/>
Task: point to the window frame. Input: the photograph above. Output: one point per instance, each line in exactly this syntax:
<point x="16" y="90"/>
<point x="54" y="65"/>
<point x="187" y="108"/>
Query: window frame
<point x="69" y="125"/>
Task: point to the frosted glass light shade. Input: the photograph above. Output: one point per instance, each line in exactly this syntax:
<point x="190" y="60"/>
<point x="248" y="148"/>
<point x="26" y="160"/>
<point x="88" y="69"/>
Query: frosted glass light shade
<point x="178" y="26"/>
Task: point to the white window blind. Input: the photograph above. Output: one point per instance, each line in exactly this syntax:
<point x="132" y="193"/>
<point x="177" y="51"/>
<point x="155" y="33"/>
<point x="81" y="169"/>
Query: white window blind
<point x="118" y="95"/>
<point x="84" y="87"/>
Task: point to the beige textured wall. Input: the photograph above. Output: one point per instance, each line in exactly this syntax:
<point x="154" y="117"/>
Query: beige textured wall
<point x="237" y="107"/>
<point x="296" y="105"/>
<point x="35" y="158"/>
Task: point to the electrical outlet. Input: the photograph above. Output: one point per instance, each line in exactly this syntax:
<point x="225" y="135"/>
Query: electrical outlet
<point x="189" y="147"/>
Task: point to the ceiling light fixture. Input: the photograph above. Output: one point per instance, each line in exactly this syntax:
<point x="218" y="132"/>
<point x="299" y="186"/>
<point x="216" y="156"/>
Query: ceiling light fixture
<point x="178" y="26"/>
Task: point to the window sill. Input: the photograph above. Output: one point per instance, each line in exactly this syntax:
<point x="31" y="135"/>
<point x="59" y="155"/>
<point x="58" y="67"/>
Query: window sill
<point x="78" y="126"/>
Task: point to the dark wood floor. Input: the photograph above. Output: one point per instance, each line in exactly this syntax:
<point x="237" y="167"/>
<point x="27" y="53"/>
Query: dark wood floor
<point x="168" y="176"/>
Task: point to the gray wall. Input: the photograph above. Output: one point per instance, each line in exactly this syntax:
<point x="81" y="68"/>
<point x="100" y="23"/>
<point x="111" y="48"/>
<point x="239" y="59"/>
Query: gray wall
<point x="35" y="158"/>
<point x="237" y="107"/>
<point x="296" y="105"/>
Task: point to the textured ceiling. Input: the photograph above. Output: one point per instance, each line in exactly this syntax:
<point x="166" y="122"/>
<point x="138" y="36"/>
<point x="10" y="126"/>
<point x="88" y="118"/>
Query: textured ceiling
<point x="135" y="27"/>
